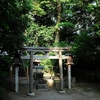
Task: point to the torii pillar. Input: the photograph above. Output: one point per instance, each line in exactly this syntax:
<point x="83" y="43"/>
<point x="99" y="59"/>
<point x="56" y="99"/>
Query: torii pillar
<point x="31" y="93"/>
<point x="61" y="73"/>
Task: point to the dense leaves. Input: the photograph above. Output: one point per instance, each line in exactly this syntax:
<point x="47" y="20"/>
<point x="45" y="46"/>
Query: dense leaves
<point x="13" y="22"/>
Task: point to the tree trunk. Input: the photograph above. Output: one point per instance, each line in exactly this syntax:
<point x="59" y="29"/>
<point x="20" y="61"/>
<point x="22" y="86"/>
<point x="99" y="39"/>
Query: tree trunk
<point x="57" y="34"/>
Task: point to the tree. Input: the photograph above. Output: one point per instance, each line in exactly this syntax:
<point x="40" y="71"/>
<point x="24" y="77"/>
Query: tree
<point x="14" y="21"/>
<point x="40" y="31"/>
<point x="87" y="28"/>
<point x="58" y="20"/>
<point x="53" y="19"/>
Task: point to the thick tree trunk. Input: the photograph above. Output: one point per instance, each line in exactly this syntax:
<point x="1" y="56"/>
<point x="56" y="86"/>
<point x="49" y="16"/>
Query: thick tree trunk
<point x="57" y="34"/>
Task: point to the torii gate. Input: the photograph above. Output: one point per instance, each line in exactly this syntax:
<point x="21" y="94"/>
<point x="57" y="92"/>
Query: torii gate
<point x="45" y="49"/>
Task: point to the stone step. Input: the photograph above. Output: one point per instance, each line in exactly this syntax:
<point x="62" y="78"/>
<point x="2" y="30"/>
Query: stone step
<point x="40" y="86"/>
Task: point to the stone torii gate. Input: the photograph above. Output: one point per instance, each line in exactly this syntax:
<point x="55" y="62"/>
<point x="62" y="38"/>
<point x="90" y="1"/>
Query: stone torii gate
<point x="44" y="49"/>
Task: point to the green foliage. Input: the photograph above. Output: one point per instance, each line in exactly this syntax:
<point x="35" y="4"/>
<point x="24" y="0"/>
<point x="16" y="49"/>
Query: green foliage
<point x="87" y="53"/>
<point x="65" y="24"/>
<point x="37" y="10"/>
<point x="5" y="63"/>
<point x="39" y="35"/>
<point x="48" y="65"/>
<point x="61" y="44"/>
<point x="83" y="42"/>
<point x="14" y="21"/>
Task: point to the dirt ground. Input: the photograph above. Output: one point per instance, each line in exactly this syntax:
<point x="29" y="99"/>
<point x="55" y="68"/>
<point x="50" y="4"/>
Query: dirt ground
<point x="81" y="91"/>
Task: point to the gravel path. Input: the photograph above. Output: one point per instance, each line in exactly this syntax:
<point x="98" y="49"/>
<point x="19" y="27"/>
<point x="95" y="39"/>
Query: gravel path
<point x="85" y="92"/>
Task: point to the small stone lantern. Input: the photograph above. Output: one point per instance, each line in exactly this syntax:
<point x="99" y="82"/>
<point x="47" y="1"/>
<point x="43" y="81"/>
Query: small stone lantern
<point x="69" y="63"/>
<point x="16" y="60"/>
<point x="16" y="64"/>
<point x="70" y="60"/>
